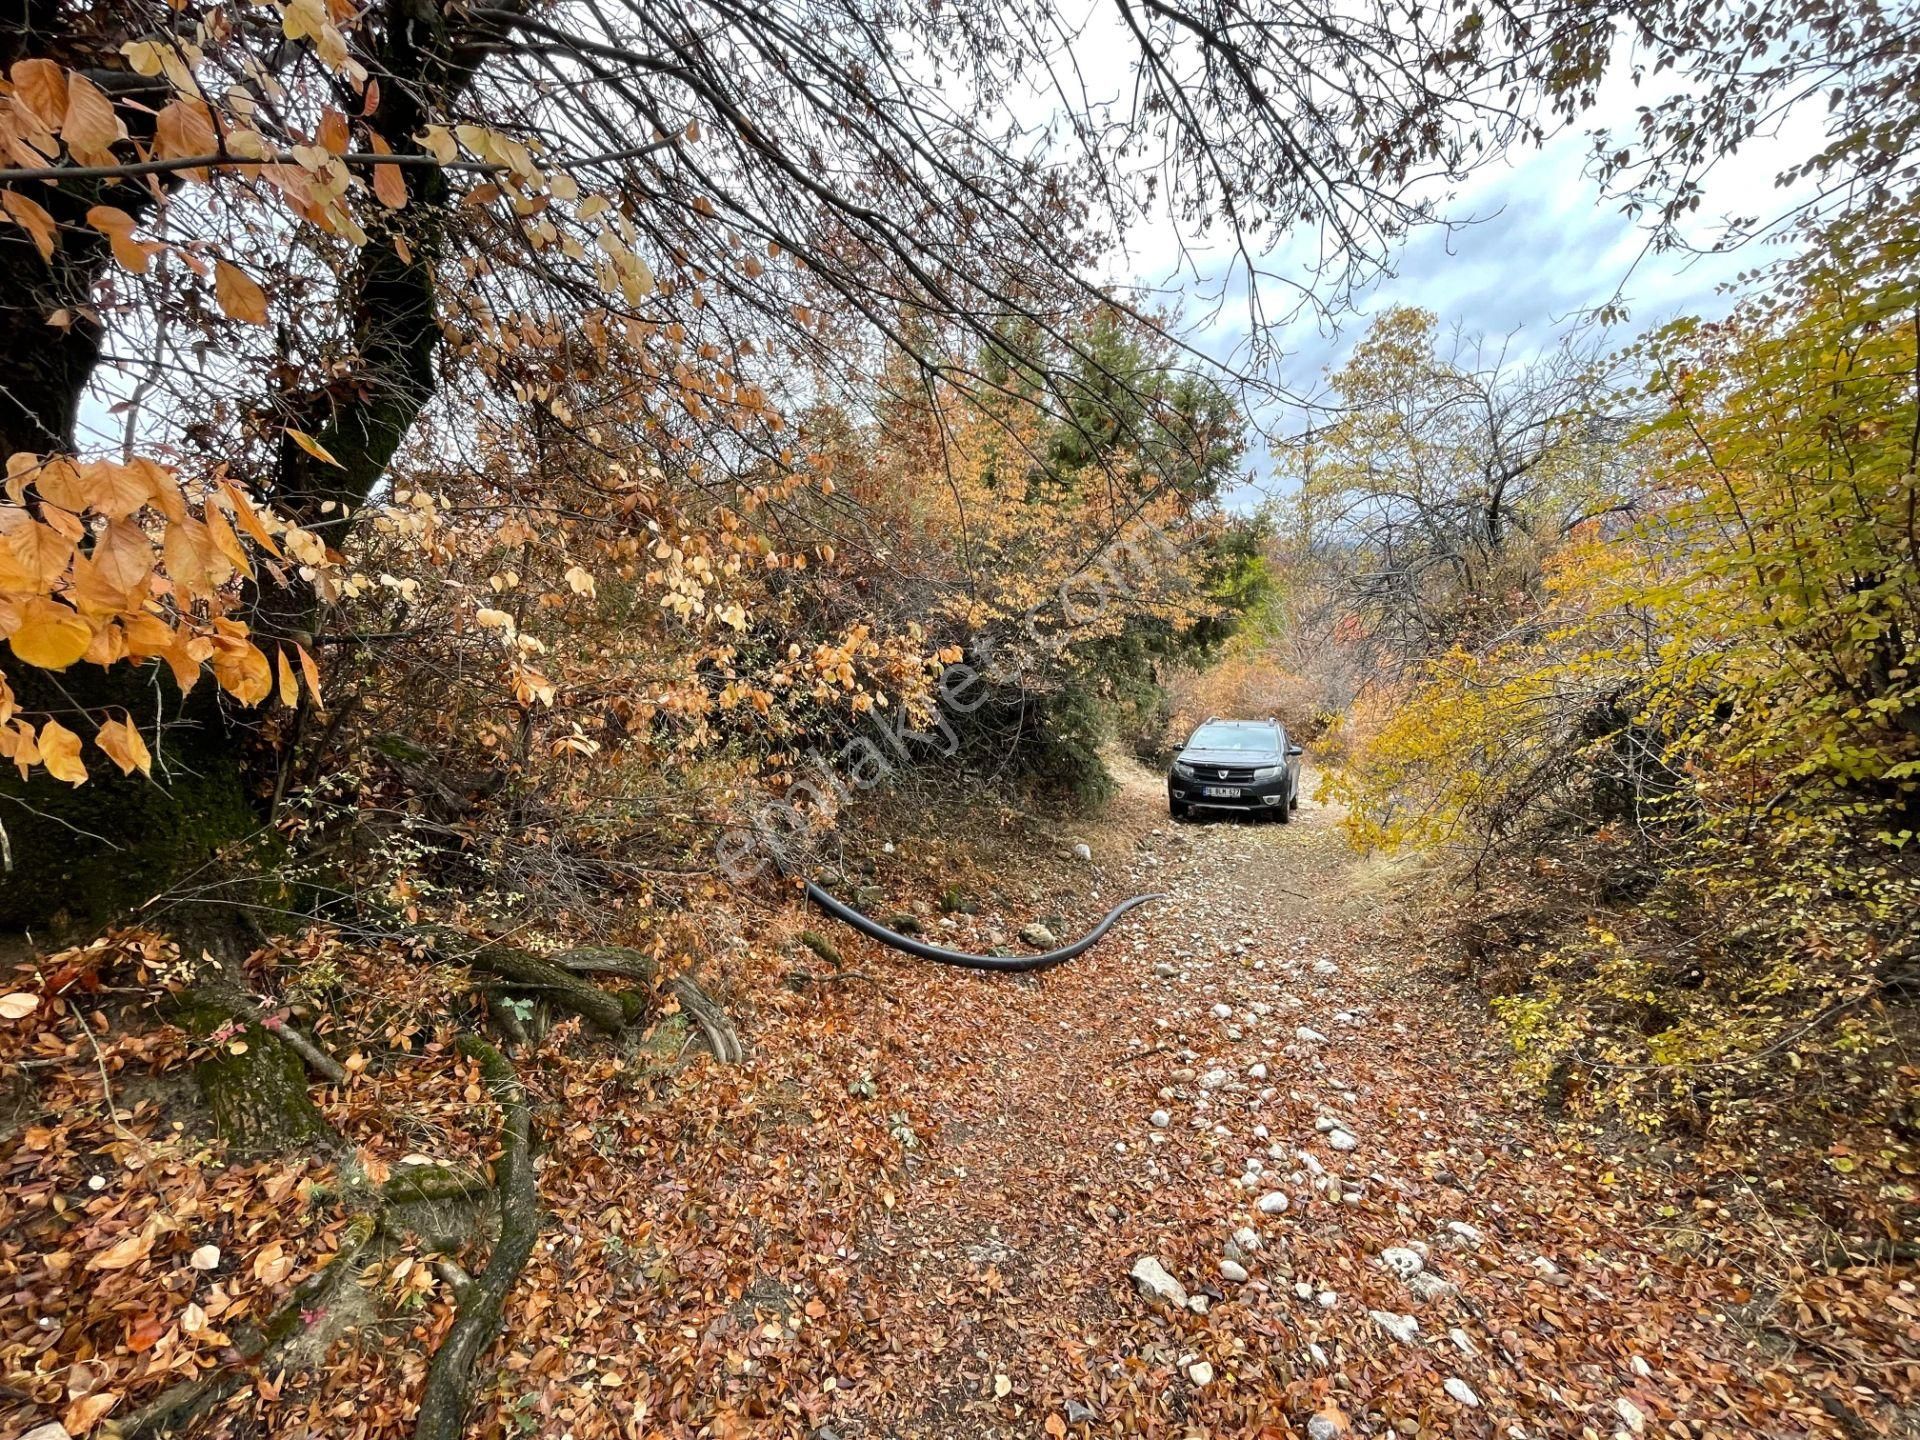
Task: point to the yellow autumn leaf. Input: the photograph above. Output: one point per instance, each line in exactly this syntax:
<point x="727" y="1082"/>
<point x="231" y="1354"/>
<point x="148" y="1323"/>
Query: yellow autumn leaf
<point x="244" y="512"/>
<point x="116" y="491"/>
<point x="60" y="753"/>
<point x="89" y="126"/>
<point x="125" y="747"/>
<point x="289" y="687"/>
<point x="30" y="216"/>
<point x="50" y="635"/>
<point x="312" y="446"/>
<point x="309" y="672"/>
<point x="243" y="672"/>
<point x="239" y="297"/>
<point x="128" y="1251"/>
<point x="117" y="225"/>
<point x="41" y="87"/>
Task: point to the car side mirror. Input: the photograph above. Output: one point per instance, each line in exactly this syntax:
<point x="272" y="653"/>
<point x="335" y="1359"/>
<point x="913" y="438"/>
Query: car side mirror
<point x="1293" y="750"/>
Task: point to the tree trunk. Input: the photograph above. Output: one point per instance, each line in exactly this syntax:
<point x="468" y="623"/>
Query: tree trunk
<point x="80" y="855"/>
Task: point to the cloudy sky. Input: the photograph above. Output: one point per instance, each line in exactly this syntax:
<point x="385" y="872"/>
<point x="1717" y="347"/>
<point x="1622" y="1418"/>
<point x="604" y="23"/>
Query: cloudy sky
<point x="1544" y="247"/>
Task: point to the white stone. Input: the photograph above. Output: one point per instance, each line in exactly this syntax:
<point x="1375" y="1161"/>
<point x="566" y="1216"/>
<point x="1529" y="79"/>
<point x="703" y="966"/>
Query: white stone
<point x="1461" y="1391"/>
<point x="1326" y="1299"/>
<point x="1307" y="1035"/>
<point x="1463" y="1340"/>
<point x="1341" y="1140"/>
<point x="1635" y="1417"/>
<point x="1165" y="971"/>
<point x="1464" y="1231"/>
<point x="1247" y="1238"/>
<point x="1402" y="1262"/>
<point x="1082" y="852"/>
<point x="1160" y="1119"/>
<point x="1155" y="1283"/>
<point x="1257" y="1072"/>
<point x="1322" y="1427"/>
<point x="1223" y="1012"/>
<point x="1274" y="1202"/>
<point x="1233" y="1270"/>
<point x="1214" y="1079"/>
<point x="1200" y="1373"/>
<point x="1401" y="1327"/>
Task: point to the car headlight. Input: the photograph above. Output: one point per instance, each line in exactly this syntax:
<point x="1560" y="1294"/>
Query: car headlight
<point x="1269" y="772"/>
<point x="1182" y="769"/>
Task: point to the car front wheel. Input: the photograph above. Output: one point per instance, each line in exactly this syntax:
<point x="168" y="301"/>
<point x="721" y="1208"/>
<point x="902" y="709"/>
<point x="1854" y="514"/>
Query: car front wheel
<point x="1177" y="810"/>
<point x="1284" y="813"/>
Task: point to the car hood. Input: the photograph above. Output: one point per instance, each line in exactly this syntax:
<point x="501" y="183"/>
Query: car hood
<point x="1216" y="758"/>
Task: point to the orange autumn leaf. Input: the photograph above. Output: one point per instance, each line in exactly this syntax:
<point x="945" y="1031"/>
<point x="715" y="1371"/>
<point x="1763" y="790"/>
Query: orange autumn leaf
<point x="389" y="185"/>
<point x="244" y="512"/>
<point x="239" y="296"/>
<point x="185" y="128"/>
<point x="226" y="542"/>
<point x="243" y="672"/>
<point x="60" y="753"/>
<point x="309" y="672"/>
<point x="125" y="746"/>
<point x="41" y="87"/>
<point x="89" y="126"/>
<point x="88" y="1411"/>
<point x="30" y="216"/>
<point x="289" y="687"/>
<point x="117" y="225"/>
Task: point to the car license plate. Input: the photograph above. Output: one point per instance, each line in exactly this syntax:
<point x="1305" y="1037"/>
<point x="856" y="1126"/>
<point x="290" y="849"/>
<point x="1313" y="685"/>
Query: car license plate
<point x="1221" y="792"/>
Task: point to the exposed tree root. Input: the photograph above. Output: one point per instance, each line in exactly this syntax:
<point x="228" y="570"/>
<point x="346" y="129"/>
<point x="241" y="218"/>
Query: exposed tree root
<point x="179" y="1404"/>
<point x="246" y="1012"/>
<point x="449" y="1388"/>
<point x="524" y="970"/>
<point x="718" y="1031"/>
<point x="722" y="1039"/>
<point x="610" y="960"/>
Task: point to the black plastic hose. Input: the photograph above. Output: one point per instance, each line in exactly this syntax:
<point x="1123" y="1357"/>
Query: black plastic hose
<point x="941" y="956"/>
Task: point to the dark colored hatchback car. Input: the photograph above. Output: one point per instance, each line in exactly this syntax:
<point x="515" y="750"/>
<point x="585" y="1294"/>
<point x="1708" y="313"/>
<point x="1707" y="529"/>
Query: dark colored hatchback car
<point x="1247" y="765"/>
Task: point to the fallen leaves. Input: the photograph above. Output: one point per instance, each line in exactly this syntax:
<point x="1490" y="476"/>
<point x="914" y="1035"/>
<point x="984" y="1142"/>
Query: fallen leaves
<point x="18" y="1004"/>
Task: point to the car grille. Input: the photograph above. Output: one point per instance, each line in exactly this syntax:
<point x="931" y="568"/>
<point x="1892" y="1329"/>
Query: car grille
<point x="1223" y="774"/>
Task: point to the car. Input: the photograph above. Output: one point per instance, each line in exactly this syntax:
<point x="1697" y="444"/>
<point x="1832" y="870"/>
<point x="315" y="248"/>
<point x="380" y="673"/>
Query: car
<point x="1246" y="765"/>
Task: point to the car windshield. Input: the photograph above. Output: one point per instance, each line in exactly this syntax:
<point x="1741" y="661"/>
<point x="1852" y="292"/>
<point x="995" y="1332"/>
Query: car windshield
<point x="1254" y="739"/>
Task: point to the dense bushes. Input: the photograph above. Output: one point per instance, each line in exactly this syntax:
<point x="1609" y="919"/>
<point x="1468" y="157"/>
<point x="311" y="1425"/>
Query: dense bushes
<point x="1686" y="781"/>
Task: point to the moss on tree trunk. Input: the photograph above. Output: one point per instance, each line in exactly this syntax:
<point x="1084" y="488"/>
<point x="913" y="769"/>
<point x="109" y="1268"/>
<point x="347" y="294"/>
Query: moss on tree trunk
<point x="258" y="1094"/>
<point x="82" y="855"/>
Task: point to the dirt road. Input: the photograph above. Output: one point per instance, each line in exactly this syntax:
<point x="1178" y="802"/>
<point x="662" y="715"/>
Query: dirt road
<point x="1260" y="1088"/>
